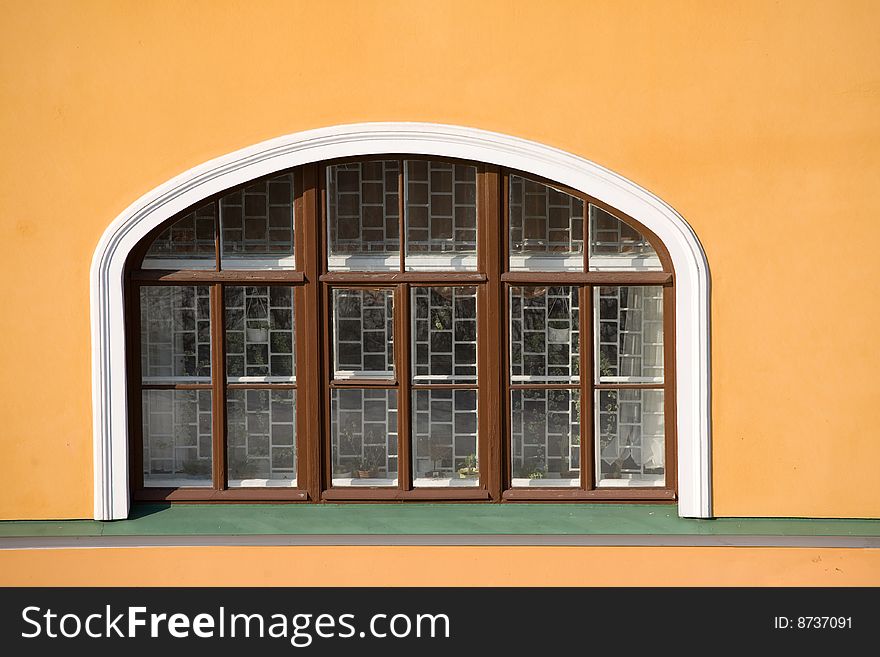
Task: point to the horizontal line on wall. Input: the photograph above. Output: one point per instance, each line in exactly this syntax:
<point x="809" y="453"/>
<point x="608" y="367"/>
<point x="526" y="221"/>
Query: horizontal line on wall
<point x="598" y="540"/>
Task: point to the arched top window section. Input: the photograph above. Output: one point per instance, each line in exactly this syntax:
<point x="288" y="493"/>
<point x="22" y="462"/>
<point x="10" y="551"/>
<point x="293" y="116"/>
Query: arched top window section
<point x="542" y="316"/>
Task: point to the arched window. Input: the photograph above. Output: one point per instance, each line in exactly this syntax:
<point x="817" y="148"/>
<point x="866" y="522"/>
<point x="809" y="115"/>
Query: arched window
<point x="399" y="327"/>
<point x="481" y="334"/>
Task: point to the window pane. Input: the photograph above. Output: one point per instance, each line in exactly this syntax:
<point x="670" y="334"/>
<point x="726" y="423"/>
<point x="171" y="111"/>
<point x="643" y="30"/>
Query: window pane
<point x="617" y="245"/>
<point x="363" y="334"/>
<point x="188" y="243"/>
<point x="444" y="335"/>
<point x="175" y="334"/>
<point x="546" y="228"/>
<point x="630" y="335"/>
<point x="257" y="225"/>
<point x="545" y="432"/>
<point x="260" y="339"/>
<point x="441" y="215"/>
<point x="544" y="335"/>
<point x="631" y="445"/>
<point x="363" y="437"/>
<point x="177" y="438"/>
<point x="363" y="207"/>
<point x="261" y="437"/>
<point x="445" y="438"/>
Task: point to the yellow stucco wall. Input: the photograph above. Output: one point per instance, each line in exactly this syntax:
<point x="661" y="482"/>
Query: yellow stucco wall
<point x="757" y="121"/>
<point x="450" y="566"/>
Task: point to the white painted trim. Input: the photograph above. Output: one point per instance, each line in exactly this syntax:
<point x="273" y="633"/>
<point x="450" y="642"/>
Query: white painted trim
<point x="107" y="312"/>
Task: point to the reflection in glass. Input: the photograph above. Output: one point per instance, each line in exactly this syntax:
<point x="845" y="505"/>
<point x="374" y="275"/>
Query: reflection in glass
<point x="441" y="215"/>
<point x="544" y="335"/>
<point x="363" y="437"/>
<point x="631" y="444"/>
<point x="444" y="334"/>
<point x="363" y="334"/>
<point x="363" y="206"/>
<point x="188" y="243"/>
<point x="616" y="245"/>
<point x="546" y="440"/>
<point x="175" y="334"/>
<point x="630" y="334"/>
<point x="257" y="224"/>
<point x="546" y="227"/>
<point x="445" y="438"/>
<point x="260" y="342"/>
<point x="177" y="438"/>
<point x="261" y="437"/>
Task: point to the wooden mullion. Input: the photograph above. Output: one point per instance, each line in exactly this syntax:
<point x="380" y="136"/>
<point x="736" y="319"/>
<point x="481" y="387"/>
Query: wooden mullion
<point x="490" y="335"/>
<point x="218" y="379"/>
<point x="505" y="436"/>
<point x="587" y="368"/>
<point x="308" y="317"/>
<point x="402" y="356"/>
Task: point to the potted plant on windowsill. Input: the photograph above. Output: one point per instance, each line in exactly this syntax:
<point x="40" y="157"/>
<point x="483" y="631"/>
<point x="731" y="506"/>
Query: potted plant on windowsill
<point x="469" y="471"/>
<point x="367" y="469"/>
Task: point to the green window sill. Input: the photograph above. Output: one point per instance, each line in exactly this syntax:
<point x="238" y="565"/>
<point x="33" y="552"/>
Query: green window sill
<point x="431" y="519"/>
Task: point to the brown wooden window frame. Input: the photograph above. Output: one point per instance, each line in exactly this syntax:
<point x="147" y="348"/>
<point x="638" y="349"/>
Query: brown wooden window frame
<point x="312" y="282"/>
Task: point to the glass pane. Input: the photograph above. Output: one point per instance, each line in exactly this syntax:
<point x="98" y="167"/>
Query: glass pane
<point x="188" y="243"/>
<point x="546" y="228"/>
<point x="257" y="225"/>
<point x="363" y="207"/>
<point x="260" y="339"/>
<point x="444" y="334"/>
<point x="261" y="437"/>
<point x="177" y="438"/>
<point x="363" y="334"/>
<point x="445" y="438"/>
<point x="175" y="334"/>
<point x="441" y="215"/>
<point x="631" y="446"/>
<point x="545" y="431"/>
<point x="617" y="245"/>
<point x="363" y="437"/>
<point x="630" y="335"/>
<point x="544" y="335"/>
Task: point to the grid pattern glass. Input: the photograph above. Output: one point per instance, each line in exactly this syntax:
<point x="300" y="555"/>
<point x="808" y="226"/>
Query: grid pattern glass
<point x="441" y="215"/>
<point x="546" y="227"/>
<point x="257" y="224"/>
<point x="544" y="334"/>
<point x="177" y="442"/>
<point x="261" y="437"/>
<point x="444" y="334"/>
<point x="445" y="438"/>
<point x="615" y="245"/>
<point x="188" y="243"/>
<point x="630" y="334"/>
<point x="175" y="334"/>
<point x="260" y="343"/>
<point x="631" y="438"/>
<point x="363" y="334"/>
<point x="545" y="432"/>
<point x="363" y="437"/>
<point x="363" y="205"/>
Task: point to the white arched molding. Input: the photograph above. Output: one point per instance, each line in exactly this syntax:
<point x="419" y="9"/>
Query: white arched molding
<point x="107" y="312"/>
